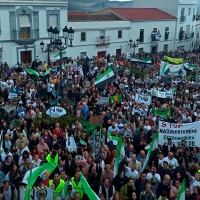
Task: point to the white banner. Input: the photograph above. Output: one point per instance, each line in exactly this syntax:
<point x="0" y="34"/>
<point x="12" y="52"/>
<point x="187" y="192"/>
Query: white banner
<point x="141" y="98"/>
<point x="70" y="144"/>
<point x="160" y="94"/>
<point x="37" y="192"/>
<point x="189" y="132"/>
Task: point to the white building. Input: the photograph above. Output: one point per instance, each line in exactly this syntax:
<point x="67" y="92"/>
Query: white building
<point x="24" y="24"/>
<point x="184" y="10"/>
<point x="109" y="31"/>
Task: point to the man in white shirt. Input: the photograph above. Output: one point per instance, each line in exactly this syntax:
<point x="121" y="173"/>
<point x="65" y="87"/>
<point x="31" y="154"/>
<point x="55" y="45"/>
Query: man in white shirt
<point x="131" y="172"/>
<point x="194" y="181"/>
<point x="105" y="188"/>
<point x="172" y="162"/>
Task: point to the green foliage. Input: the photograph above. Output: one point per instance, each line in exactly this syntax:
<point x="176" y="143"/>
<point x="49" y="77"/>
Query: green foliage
<point x="63" y="120"/>
<point x="139" y="73"/>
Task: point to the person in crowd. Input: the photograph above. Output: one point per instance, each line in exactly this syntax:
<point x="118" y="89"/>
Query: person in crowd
<point x="8" y="191"/>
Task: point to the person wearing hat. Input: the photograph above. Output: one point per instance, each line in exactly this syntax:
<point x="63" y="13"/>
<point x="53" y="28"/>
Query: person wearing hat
<point x="8" y="191"/>
<point x="168" y="146"/>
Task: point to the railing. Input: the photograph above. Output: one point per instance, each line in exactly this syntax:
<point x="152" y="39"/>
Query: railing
<point x="182" y="18"/>
<point x="26" y="34"/>
<point x="102" y="40"/>
<point x="187" y="36"/>
<point x="141" y="38"/>
<point x="155" y="37"/>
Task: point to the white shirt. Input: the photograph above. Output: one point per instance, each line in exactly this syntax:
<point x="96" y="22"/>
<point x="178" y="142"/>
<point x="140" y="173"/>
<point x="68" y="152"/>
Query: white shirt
<point x="3" y="156"/>
<point x="147" y="127"/>
<point x="172" y="162"/>
<point x="193" y="183"/>
<point x="50" y="86"/>
<point x="129" y="173"/>
<point x="107" y="195"/>
<point x="150" y="176"/>
<point x="21" y="160"/>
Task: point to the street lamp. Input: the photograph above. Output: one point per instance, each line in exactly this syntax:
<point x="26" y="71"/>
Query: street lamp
<point x="56" y="42"/>
<point x="133" y="45"/>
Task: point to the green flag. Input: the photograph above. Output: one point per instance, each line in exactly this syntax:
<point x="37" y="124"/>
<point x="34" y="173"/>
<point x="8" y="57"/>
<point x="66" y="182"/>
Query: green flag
<point x="87" y="189"/>
<point x="161" y="113"/>
<point x="28" y="188"/>
<point x="116" y="98"/>
<point x="114" y="139"/>
<point x="31" y="71"/>
<point x="120" y="158"/>
<point x="153" y="146"/>
<point x="83" y="142"/>
<point x="181" y="193"/>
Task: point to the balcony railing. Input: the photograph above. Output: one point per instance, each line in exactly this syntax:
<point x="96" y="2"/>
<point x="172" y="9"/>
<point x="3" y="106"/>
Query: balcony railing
<point x="26" y="34"/>
<point x="155" y="37"/>
<point x="182" y="18"/>
<point x="102" y="41"/>
<point x="187" y="36"/>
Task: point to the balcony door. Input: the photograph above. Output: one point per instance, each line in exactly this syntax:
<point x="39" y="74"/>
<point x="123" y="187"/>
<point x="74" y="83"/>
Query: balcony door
<point x="101" y="54"/>
<point x="25" y="32"/>
<point x="26" y="56"/>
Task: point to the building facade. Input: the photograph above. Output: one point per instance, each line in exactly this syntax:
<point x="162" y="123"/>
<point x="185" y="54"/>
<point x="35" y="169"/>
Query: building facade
<point x="24" y="24"/>
<point x="185" y="11"/>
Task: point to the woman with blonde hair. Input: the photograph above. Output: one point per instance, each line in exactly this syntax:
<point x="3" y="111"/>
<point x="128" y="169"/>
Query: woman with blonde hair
<point x="116" y="196"/>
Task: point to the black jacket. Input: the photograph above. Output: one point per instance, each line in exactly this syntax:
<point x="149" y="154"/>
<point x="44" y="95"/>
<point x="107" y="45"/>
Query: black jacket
<point x="161" y="187"/>
<point x="166" y="151"/>
<point x="70" y="170"/>
<point x="138" y="188"/>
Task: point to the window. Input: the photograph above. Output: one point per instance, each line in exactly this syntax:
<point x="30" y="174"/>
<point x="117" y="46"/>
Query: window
<point x="166" y="33"/>
<point x="25" y="25"/>
<point x="141" y="37"/>
<point x="1" y="50"/>
<point x="140" y="50"/>
<point x="83" y="54"/>
<point x="119" y="34"/>
<point x="165" y="48"/>
<point x="189" y="11"/>
<point x="182" y="11"/>
<point x="53" y="21"/>
<point x="187" y="29"/>
<point x="83" y="36"/>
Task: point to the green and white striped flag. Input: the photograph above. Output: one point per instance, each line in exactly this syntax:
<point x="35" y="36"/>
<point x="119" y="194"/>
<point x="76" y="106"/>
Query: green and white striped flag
<point x="181" y="193"/>
<point x="114" y="139"/>
<point x="57" y="56"/>
<point x="83" y="142"/>
<point x="120" y="158"/>
<point x="31" y="71"/>
<point x="144" y="61"/>
<point x="45" y="73"/>
<point x="153" y="146"/>
<point x="87" y="189"/>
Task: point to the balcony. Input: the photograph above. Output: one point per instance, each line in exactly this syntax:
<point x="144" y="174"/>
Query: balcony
<point x="188" y="36"/>
<point x="155" y="37"/>
<point x="25" y="36"/>
<point x="194" y="17"/>
<point x="182" y="18"/>
<point x="102" y="41"/>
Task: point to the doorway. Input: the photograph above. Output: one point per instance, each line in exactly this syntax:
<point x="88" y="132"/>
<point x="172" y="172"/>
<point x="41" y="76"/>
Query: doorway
<point x="101" y="53"/>
<point x="26" y="56"/>
<point x="118" y="52"/>
<point x="154" y="49"/>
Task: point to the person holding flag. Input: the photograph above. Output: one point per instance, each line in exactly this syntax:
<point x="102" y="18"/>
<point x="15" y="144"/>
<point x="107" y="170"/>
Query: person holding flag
<point x="76" y="183"/>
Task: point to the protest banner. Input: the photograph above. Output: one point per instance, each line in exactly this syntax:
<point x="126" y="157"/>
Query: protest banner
<point x="71" y="144"/>
<point x="37" y="192"/>
<point x="161" y="94"/>
<point x="141" y="98"/>
<point x="178" y="132"/>
<point x="103" y="100"/>
<point x="96" y="120"/>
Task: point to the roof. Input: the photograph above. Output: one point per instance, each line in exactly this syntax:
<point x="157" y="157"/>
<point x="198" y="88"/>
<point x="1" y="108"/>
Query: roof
<point x="143" y="14"/>
<point x="93" y="18"/>
<point x="77" y="13"/>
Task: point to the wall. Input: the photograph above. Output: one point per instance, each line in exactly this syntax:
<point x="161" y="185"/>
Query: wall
<point x="92" y="29"/>
<point x="148" y="27"/>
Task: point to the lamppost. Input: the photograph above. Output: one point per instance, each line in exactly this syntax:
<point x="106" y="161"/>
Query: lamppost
<point x="133" y="45"/>
<point x="56" y="43"/>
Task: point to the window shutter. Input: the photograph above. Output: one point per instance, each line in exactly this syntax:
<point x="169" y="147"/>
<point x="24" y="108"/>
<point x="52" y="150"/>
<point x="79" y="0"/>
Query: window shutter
<point x="24" y="21"/>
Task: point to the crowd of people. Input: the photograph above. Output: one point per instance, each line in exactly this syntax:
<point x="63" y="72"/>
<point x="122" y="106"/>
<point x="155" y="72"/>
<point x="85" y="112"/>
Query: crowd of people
<point x="25" y="145"/>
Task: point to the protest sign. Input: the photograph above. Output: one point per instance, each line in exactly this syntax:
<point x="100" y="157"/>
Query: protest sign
<point x="96" y="120"/>
<point x="103" y="100"/>
<point x="37" y="192"/>
<point x="71" y="144"/>
<point x="161" y="94"/>
<point x="141" y="98"/>
<point x="178" y="132"/>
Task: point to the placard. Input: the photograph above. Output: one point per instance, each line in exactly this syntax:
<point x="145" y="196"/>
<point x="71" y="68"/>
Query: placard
<point x="141" y="98"/>
<point x="96" y="120"/>
<point x="103" y="100"/>
<point x="178" y="132"/>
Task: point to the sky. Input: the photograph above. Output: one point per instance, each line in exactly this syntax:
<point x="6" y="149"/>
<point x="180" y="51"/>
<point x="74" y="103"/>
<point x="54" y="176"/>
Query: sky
<point x="119" y="0"/>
